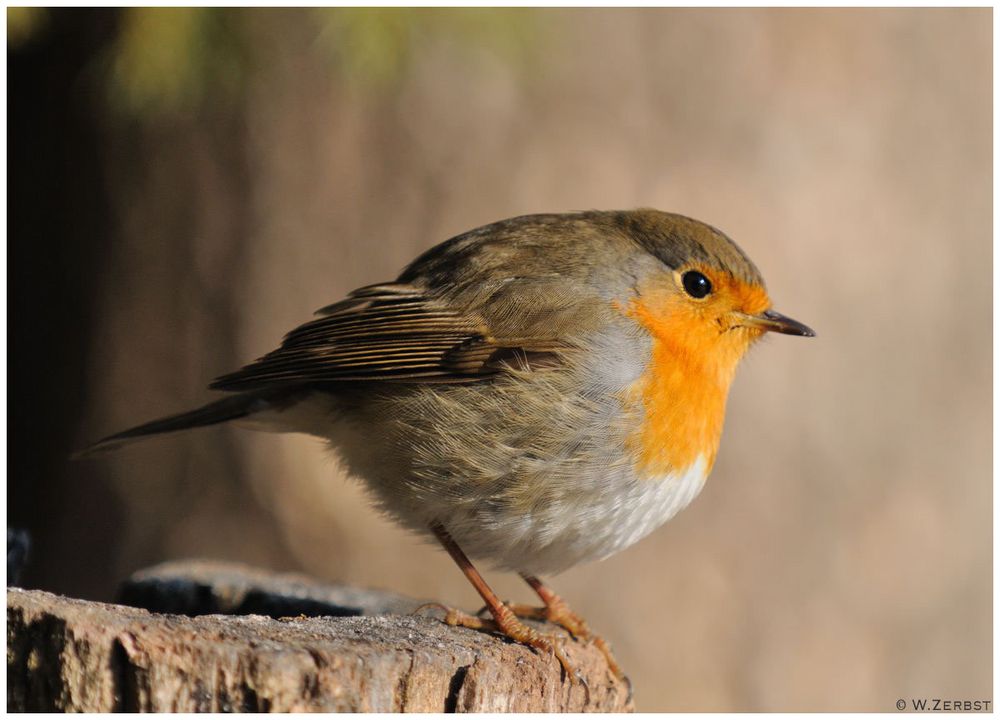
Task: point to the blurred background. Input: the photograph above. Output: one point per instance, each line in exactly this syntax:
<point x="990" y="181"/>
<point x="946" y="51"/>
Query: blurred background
<point x="185" y="185"/>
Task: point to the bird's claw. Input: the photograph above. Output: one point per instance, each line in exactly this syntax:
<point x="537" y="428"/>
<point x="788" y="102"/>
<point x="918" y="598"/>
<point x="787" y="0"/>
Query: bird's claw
<point x="508" y="625"/>
<point x="436" y="605"/>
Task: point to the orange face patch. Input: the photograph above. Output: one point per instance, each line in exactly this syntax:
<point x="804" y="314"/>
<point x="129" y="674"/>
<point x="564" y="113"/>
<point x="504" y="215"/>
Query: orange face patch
<point x="696" y="349"/>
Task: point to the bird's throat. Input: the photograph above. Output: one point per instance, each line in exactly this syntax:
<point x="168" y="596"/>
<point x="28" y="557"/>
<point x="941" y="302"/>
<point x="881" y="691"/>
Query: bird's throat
<point x="682" y="394"/>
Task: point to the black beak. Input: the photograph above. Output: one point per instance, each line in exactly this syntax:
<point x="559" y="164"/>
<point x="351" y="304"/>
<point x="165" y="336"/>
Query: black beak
<point x="776" y="322"/>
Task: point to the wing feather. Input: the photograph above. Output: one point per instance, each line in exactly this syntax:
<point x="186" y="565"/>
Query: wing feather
<point x="388" y="332"/>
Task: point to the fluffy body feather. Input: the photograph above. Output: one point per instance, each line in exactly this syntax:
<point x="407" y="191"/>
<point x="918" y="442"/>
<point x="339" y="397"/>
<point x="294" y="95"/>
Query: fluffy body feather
<point x="541" y="388"/>
<point x="531" y="472"/>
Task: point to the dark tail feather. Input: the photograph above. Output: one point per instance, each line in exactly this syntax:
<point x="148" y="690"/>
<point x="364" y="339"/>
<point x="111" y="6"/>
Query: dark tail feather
<point x="228" y="408"/>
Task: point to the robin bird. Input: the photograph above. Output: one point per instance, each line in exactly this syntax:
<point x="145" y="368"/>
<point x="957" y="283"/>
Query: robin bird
<point x="537" y="393"/>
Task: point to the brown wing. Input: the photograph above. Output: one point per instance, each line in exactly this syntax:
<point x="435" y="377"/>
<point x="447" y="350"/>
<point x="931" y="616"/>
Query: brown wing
<point x="389" y="332"/>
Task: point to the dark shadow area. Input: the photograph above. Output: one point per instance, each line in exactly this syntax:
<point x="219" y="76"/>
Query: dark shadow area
<point x="58" y="237"/>
<point x="178" y="596"/>
<point x="200" y="587"/>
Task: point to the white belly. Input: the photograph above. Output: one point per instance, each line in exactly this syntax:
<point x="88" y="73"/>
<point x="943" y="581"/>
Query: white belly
<point x="591" y="527"/>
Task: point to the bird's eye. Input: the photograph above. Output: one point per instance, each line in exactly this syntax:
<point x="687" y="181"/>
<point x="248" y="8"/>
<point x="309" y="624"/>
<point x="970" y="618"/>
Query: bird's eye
<point x="695" y="284"/>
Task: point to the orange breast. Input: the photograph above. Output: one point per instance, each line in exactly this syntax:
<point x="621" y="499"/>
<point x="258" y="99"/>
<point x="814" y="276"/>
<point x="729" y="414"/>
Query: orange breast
<point x="683" y="391"/>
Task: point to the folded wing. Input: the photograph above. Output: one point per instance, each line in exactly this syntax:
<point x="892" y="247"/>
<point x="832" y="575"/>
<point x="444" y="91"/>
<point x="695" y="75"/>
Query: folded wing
<point x="390" y="332"/>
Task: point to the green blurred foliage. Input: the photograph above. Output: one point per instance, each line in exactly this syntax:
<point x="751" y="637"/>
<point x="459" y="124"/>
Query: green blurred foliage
<point x="374" y="46"/>
<point x="170" y="59"/>
<point x="24" y="23"/>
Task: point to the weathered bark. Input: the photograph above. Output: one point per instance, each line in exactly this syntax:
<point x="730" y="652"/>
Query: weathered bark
<point x="67" y="654"/>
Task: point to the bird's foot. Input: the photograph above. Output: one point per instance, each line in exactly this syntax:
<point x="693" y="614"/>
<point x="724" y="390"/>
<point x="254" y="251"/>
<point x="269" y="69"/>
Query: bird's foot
<point x="506" y="623"/>
<point x="557" y="611"/>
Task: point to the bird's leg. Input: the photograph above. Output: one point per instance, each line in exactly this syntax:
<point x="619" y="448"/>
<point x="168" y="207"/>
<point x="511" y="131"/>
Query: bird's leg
<point x="555" y="610"/>
<point x="503" y="619"/>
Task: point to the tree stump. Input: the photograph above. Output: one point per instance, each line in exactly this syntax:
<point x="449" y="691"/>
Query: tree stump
<point x="222" y="637"/>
